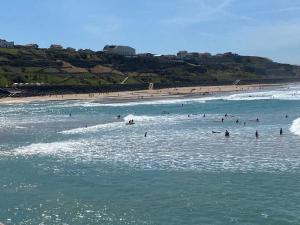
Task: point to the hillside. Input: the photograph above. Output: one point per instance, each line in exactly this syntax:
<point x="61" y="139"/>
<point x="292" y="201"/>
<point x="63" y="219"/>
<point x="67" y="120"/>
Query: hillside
<point x="68" y="67"/>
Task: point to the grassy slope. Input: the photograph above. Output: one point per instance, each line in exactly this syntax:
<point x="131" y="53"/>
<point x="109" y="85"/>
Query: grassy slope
<point x="62" y="67"/>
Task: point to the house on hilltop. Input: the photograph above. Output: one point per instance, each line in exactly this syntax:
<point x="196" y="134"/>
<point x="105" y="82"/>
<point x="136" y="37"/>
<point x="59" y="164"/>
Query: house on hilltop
<point x="6" y="44"/>
<point x="55" y="46"/>
<point x="34" y="46"/>
<point x="119" y="50"/>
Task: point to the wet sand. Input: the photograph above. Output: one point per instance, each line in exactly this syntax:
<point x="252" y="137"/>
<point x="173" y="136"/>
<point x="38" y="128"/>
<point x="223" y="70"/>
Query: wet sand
<point x="143" y="95"/>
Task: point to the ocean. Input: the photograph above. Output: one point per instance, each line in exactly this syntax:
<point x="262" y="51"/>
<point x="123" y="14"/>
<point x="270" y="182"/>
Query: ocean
<point x="75" y="162"/>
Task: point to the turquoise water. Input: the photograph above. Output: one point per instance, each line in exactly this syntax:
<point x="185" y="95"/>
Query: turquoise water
<point x="55" y="170"/>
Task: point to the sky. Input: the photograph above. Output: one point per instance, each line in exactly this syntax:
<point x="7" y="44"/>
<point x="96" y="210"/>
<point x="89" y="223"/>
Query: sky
<point x="267" y="28"/>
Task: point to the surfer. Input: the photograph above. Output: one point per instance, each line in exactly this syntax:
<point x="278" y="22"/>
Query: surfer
<point x="222" y="120"/>
<point x="256" y="134"/>
<point x="204" y="115"/>
<point x="119" y="117"/>
<point x="281" y="131"/>
<point x="237" y="121"/>
<point x="146" y="134"/>
<point x="189" y="116"/>
<point x="226" y="115"/>
<point x="227" y="133"/>
<point x="216" y="132"/>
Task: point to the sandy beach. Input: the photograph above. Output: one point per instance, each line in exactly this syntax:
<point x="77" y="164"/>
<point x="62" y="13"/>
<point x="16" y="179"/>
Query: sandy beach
<point x="143" y="95"/>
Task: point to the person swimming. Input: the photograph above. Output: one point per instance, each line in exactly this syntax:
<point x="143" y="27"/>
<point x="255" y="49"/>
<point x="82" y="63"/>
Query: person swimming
<point x="281" y="131"/>
<point x="286" y="116"/>
<point x="256" y="134"/>
<point x="226" y="115"/>
<point x="227" y="134"/>
<point x="237" y="121"/>
<point x="222" y="120"/>
<point x="119" y="117"/>
<point x="257" y="120"/>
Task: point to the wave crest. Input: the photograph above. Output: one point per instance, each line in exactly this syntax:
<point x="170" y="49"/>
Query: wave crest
<point x="295" y="128"/>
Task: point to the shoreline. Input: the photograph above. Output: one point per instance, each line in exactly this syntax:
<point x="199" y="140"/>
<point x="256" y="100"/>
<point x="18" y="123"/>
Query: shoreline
<point x="142" y="95"/>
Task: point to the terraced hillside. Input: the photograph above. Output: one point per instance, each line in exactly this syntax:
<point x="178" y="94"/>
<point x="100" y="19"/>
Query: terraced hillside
<point x="68" y="67"/>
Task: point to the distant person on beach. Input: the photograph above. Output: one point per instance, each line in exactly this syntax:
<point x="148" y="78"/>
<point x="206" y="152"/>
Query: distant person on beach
<point x="227" y="133"/>
<point x="281" y="131"/>
<point x="146" y="134"/>
<point x="256" y="134"/>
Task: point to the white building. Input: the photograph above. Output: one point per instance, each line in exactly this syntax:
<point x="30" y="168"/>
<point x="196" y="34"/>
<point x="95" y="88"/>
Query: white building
<point x="119" y="50"/>
<point x="6" y="44"/>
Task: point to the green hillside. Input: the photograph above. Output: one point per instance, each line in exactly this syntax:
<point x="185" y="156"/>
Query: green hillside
<point x="66" y="67"/>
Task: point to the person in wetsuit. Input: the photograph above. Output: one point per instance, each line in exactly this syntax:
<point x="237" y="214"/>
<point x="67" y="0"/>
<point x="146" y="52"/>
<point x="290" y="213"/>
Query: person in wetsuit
<point x="281" y="131"/>
<point x="227" y="133"/>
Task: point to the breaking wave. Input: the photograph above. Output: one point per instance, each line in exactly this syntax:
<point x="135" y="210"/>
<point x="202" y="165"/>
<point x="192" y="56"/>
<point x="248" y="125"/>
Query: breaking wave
<point x="295" y="128"/>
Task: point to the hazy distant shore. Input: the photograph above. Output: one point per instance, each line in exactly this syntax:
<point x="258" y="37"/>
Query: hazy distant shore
<point x="143" y="95"/>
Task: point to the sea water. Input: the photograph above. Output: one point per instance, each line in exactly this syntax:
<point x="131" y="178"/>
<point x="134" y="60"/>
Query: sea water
<point x="75" y="162"/>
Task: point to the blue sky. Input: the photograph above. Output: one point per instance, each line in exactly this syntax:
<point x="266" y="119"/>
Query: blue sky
<point x="269" y="28"/>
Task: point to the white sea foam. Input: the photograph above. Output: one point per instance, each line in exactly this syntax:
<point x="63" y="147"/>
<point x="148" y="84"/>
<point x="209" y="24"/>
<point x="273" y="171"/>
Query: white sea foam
<point x="166" y="152"/>
<point x="295" y="128"/>
<point x="159" y="102"/>
<point x="140" y="120"/>
<point x="92" y="129"/>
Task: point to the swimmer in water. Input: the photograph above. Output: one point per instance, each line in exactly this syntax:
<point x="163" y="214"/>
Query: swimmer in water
<point x="281" y="131"/>
<point x="256" y="134"/>
<point x="227" y="133"/>
<point x="222" y="120"/>
<point x="237" y="121"/>
<point x="257" y="120"/>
